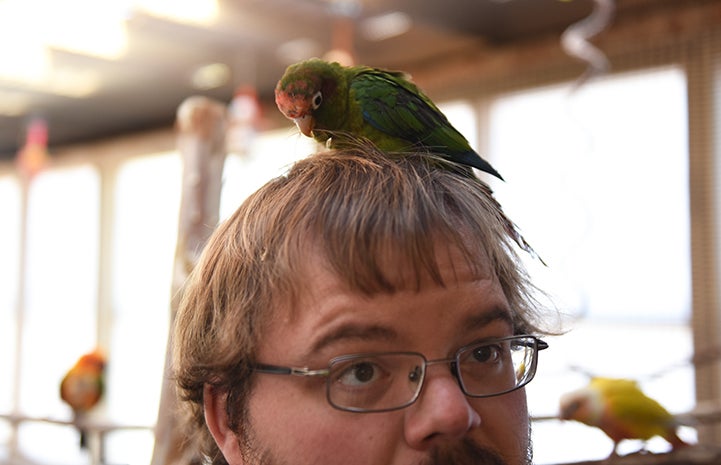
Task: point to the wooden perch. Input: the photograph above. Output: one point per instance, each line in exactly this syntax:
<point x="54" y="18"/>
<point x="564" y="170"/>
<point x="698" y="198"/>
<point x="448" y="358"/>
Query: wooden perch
<point x="703" y="413"/>
<point x="201" y="125"/>
<point x="96" y="430"/>
<point x="695" y="455"/>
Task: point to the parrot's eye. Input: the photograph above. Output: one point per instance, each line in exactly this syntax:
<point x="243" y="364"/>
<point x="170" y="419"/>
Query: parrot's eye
<point x="317" y="100"/>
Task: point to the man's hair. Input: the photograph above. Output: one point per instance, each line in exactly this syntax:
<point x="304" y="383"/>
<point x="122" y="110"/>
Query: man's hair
<point x="366" y="214"/>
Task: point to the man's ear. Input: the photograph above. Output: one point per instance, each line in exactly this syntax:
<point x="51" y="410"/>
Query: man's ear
<point x="216" y="418"/>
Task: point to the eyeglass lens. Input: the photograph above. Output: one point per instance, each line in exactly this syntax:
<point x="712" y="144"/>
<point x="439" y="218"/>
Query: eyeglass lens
<point x="375" y="382"/>
<point x="379" y="382"/>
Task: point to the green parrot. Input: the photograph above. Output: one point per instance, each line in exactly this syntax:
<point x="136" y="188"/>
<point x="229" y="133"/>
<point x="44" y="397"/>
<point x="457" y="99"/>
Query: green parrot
<point x="621" y="410"/>
<point x="333" y="103"/>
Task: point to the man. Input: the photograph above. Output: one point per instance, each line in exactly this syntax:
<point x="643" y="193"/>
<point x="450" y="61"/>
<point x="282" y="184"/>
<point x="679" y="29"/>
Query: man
<point x="365" y="308"/>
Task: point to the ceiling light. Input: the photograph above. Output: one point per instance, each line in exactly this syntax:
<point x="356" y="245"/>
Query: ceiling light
<point x="211" y="76"/>
<point x="27" y="38"/>
<point x="72" y="82"/>
<point x="23" y="55"/>
<point x="184" y="11"/>
<point x="385" y="26"/>
<point x="22" y="62"/>
<point x="105" y="38"/>
<point x="99" y="31"/>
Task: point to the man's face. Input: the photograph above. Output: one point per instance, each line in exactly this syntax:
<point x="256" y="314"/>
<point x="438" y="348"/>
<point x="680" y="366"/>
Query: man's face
<point x="290" y="421"/>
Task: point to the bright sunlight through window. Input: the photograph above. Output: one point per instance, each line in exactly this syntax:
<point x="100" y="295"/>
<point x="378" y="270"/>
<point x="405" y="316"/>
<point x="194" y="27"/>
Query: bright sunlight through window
<point x="598" y="182"/>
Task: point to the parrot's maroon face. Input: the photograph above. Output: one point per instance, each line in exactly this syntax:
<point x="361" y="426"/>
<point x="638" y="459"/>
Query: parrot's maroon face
<point x="297" y="100"/>
<point x="582" y="405"/>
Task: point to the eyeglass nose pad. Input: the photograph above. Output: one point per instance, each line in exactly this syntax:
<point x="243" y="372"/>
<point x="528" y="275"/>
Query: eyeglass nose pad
<point x="416" y="375"/>
<point x="454" y="371"/>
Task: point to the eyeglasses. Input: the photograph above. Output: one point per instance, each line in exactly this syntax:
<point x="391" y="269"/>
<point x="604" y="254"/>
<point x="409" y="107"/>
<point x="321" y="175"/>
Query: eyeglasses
<point x="384" y="381"/>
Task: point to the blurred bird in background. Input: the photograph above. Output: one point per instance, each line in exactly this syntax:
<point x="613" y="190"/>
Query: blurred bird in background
<point x="82" y="387"/>
<point x="33" y="156"/>
<point x="621" y="410"/>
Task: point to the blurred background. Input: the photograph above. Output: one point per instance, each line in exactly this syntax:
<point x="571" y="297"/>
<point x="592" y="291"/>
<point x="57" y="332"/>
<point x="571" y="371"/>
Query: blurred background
<point x="602" y="116"/>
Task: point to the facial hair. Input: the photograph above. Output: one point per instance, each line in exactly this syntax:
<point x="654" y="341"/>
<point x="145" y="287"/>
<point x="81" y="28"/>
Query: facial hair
<point x="463" y="452"/>
<point x="251" y="454"/>
<point x="467" y="452"/>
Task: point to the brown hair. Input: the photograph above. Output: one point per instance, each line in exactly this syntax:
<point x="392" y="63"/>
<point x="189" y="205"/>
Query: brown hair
<point x="364" y="211"/>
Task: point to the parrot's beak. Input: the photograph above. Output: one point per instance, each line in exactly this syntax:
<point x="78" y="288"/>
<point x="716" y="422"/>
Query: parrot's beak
<point x="305" y="124"/>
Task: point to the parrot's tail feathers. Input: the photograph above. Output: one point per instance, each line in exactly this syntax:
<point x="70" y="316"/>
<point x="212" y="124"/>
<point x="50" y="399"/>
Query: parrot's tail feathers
<point x="515" y="233"/>
<point x="471" y="158"/>
<point x="511" y="228"/>
<point x="524" y="245"/>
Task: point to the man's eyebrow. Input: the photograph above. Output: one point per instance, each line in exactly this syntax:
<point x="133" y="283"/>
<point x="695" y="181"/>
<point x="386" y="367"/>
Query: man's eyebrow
<point x="354" y="331"/>
<point x="372" y="332"/>
<point x="481" y="320"/>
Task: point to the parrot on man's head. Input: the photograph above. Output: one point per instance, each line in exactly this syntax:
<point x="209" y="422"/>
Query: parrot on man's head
<point x="83" y="386"/>
<point x="330" y="101"/>
<point x="340" y="105"/>
<point x="621" y="410"/>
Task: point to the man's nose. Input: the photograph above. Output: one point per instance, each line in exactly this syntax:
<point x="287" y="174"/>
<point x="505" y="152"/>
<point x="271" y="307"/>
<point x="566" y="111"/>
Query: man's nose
<point x="441" y="412"/>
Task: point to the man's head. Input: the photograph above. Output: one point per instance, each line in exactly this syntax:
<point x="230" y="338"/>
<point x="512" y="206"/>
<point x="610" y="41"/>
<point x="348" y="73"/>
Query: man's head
<point x="351" y="252"/>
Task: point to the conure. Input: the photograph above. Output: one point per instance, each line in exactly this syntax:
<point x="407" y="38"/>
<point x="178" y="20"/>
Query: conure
<point x="334" y="103"/>
<point x="339" y="105"/>
<point x="621" y="410"/>
<point x="83" y="386"/>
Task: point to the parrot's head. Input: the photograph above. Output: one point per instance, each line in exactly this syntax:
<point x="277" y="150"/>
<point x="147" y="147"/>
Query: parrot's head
<point x="584" y="405"/>
<point x="307" y="94"/>
<point x="94" y="361"/>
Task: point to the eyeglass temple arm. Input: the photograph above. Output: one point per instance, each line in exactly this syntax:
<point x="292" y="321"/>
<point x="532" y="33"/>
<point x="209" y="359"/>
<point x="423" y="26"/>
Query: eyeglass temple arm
<point x="279" y="370"/>
<point x="540" y="344"/>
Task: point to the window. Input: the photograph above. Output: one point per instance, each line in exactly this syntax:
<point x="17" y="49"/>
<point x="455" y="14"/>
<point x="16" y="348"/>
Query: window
<point x="60" y="296"/>
<point x="598" y="182"/>
<point x="97" y="277"/>
<point x="144" y="226"/>
<point x="9" y="280"/>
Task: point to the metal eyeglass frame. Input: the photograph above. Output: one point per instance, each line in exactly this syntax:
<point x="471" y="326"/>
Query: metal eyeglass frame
<point x="535" y="343"/>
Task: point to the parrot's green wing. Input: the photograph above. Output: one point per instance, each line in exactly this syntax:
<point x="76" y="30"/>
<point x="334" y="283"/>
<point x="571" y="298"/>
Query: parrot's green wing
<point x="396" y="107"/>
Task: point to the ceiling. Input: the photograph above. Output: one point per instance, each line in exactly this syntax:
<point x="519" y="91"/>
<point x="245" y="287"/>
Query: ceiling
<point x="256" y="40"/>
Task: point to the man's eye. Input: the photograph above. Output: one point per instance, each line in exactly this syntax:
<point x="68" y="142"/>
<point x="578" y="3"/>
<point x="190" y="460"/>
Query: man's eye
<point x="359" y="373"/>
<point x="487" y="354"/>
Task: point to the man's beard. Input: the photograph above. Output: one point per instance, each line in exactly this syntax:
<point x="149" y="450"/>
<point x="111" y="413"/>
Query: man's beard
<point x="463" y="452"/>
<point x="467" y="452"/>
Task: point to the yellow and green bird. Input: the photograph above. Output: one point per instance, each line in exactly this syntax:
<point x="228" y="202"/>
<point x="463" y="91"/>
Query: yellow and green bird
<point x="334" y="103"/>
<point x="621" y="410"/>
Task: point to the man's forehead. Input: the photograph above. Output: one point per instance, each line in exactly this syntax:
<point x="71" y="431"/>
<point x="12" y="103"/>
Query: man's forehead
<point x="401" y="268"/>
<point x="328" y="301"/>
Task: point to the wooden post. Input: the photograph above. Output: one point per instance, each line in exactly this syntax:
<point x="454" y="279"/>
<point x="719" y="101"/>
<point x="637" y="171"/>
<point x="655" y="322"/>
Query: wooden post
<point x="201" y="124"/>
<point x="704" y="179"/>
